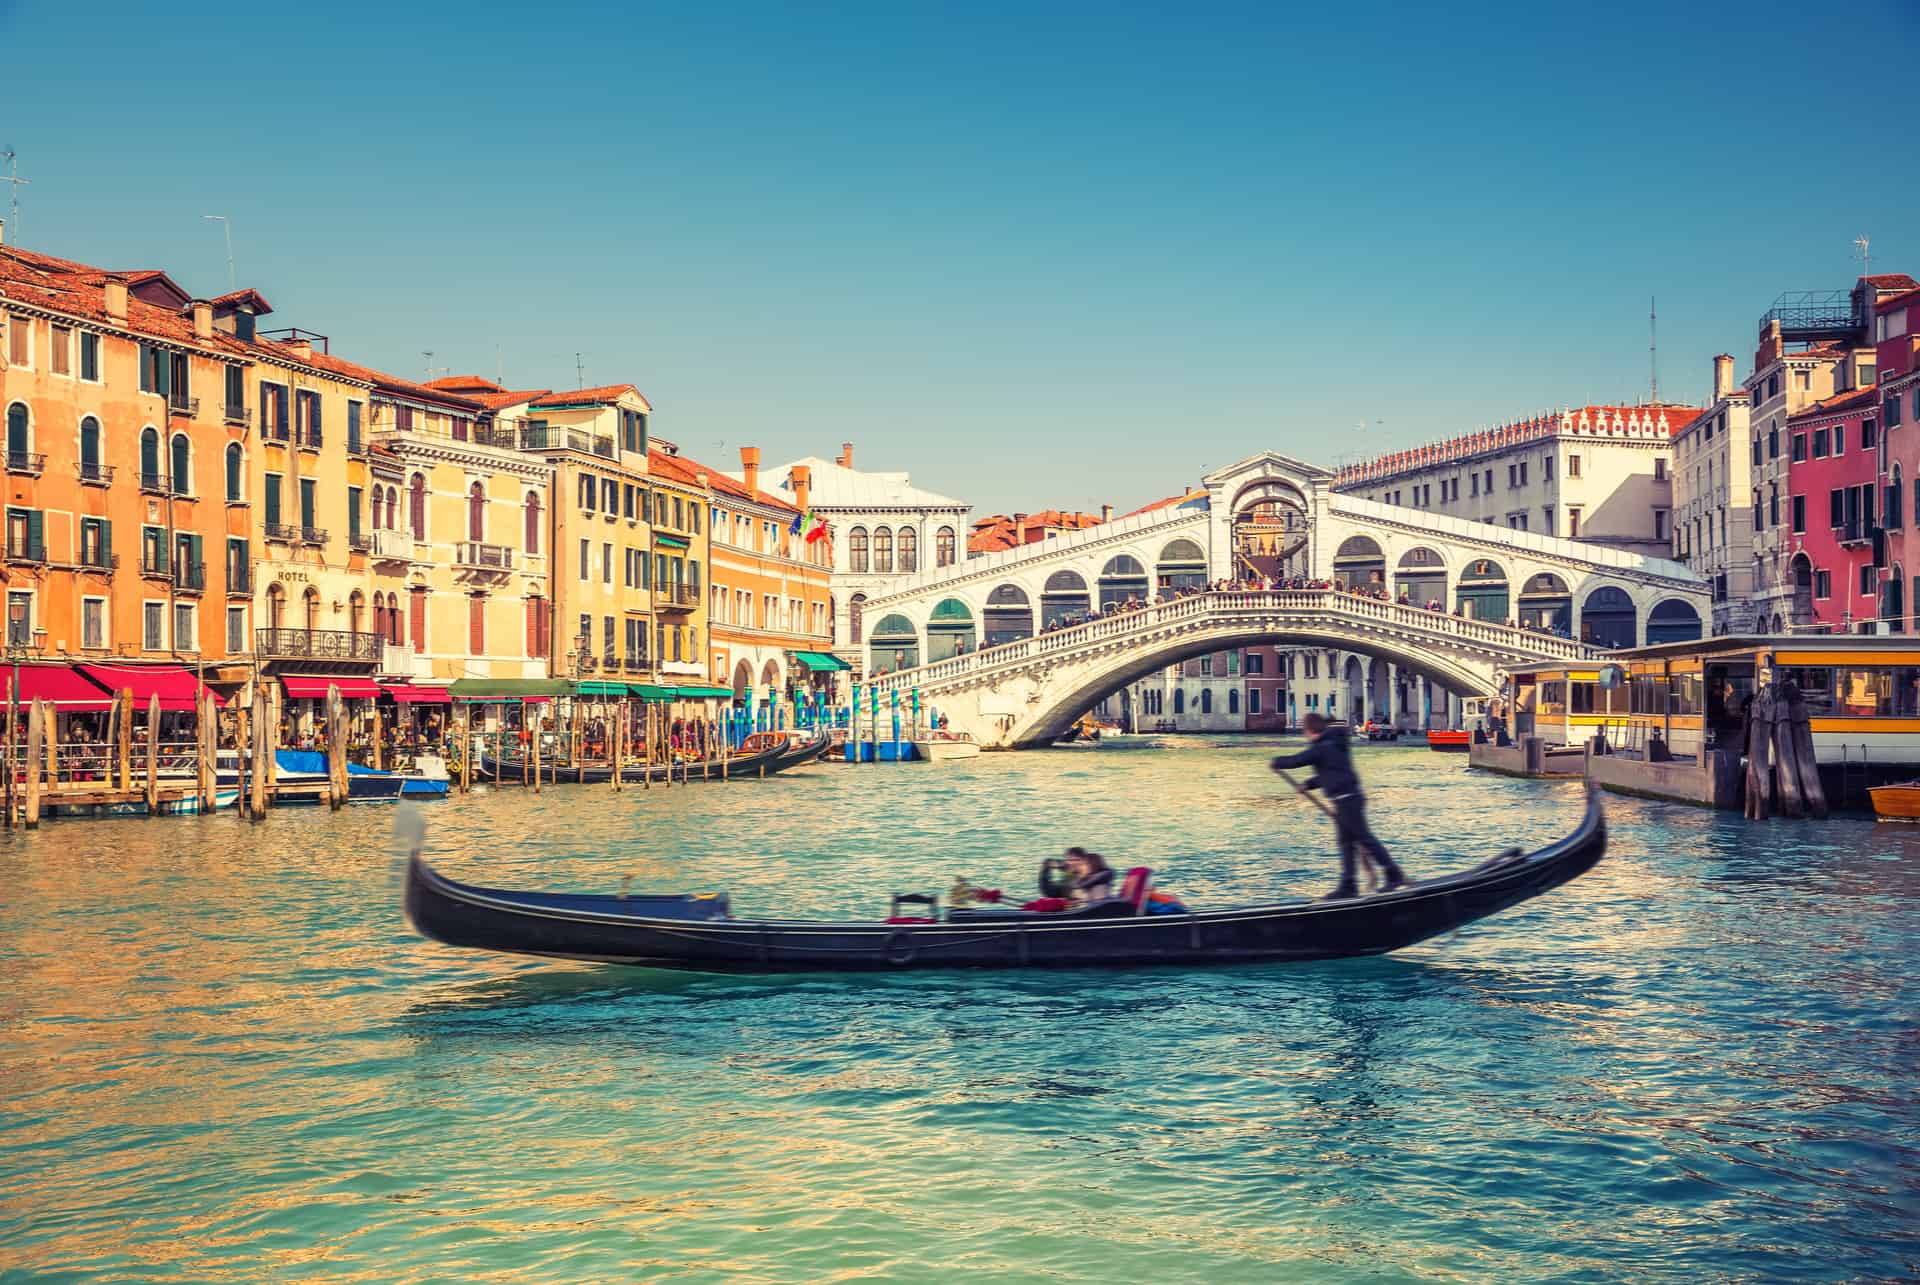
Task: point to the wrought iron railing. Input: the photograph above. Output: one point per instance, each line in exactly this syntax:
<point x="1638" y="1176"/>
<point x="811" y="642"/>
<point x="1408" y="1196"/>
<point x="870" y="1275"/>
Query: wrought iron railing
<point x="93" y="473"/>
<point x="239" y="578"/>
<point x="281" y="531"/>
<point x="237" y="413"/>
<point x="181" y="404"/>
<point x="27" y="463"/>
<point x="676" y="595"/>
<point x="98" y="560"/>
<point x="26" y="550"/>
<point x="316" y="644"/>
<point x="360" y="541"/>
<point x="313" y="535"/>
<point x="189" y="575"/>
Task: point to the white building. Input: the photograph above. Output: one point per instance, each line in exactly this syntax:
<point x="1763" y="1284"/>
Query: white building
<point x="1598" y="474"/>
<point x="883" y="527"/>
<point x="1200" y="694"/>
<point x="1713" y="500"/>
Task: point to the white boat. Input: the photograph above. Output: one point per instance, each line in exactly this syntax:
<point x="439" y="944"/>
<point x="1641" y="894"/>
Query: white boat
<point x="941" y="746"/>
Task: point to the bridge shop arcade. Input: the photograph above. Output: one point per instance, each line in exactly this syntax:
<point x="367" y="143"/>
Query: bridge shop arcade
<point x="1673" y="716"/>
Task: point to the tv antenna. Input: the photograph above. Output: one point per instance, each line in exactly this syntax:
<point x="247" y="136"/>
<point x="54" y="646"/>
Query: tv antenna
<point x="1862" y="247"/>
<point x="1653" y="349"/>
<point x="14" y="183"/>
<point x="226" y="226"/>
<point x="427" y="354"/>
<point x="579" y="372"/>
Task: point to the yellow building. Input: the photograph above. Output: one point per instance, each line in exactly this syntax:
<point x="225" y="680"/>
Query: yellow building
<point x="682" y="497"/>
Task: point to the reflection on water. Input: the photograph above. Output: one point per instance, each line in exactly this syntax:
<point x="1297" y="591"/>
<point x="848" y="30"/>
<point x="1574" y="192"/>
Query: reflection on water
<point x="227" y="1058"/>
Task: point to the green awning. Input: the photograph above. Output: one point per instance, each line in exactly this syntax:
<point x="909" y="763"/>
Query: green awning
<point x="819" y="662"/>
<point x="600" y="688"/>
<point x="671" y="541"/>
<point x="704" y="693"/>
<point x="507" y="689"/>
<point x="649" y="692"/>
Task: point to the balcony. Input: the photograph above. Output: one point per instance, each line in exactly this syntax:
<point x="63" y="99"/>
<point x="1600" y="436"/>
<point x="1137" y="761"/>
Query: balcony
<point x="483" y="557"/>
<point x="316" y="644"/>
<point x="313" y="535"/>
<point x="190" y="576"/>
<point x="156" y="484"/>
<point x="98" y="560"/>
<point x="94" y="473"/>
<point x="310" y="438"/>
<point x="360" y="541"/>
<point x="555" y="438"/>
<point x="26" y="465"/>
<point x="27" y="551"/>
<point x="282" y="532"/>
<point x="181" y="404"/>
<point x="1856" y="531"/>
<point x="493" y="435"/>
<point x="635" y="664"/>
<point x="239" y="579"/>
<point x="393" y="546"/>
<point x="676" y="597"/>
<point x="276" y="432"/>
<point x="237" y="413"/>
<point x="356" y="442"/>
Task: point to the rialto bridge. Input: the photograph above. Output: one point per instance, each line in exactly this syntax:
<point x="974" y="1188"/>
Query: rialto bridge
<point x="1014" y="646"/>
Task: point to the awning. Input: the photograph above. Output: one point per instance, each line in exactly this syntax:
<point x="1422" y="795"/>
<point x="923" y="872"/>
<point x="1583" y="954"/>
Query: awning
<point x="508" y="689"/>
<point x="58" y="684"/>
<point x="602" y="690"/>
<point x="174" y="686"/>
<point x="650" y="692"/>
<point x="302" y="687"/>
<point x="671" y="541"/>
<point x="820" y="662"/>
<point x="703" y="693"/>
<point x="410" y="694"/>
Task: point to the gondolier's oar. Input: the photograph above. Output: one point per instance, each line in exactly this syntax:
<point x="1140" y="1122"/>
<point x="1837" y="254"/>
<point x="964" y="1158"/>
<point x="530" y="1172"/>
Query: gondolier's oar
<point x="1374" y="877"/>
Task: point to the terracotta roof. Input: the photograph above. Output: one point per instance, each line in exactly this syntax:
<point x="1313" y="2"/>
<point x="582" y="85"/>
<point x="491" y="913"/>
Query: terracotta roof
<point x="506" y="397"/>
<point x="1169" y="502"/>
<point x="1891" y="281"/>
<point x="234" y="298"/>
<point x="1598" y="421"/>
<point x="466" y="384"/>
<point x="589" y="396"/>
<point x="391" y="383"/>
<point x="1868" y="396"/>
<point x="722" y="483"/>
<point x="1000" y="531"/>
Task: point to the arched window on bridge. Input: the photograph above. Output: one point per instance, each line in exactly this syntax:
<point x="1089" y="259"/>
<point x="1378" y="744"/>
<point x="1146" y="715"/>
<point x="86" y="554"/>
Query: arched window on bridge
<point x="895" y="644"/>
<point x="1009" y="615"/>
<point x="1607" y="618"/>
<point x="1482" y="591"/>
<point x="1182" y="566"/>
<point x="1063" y="600"/>
<point x="1675" y="620"/>
<point x="1122" y="578"/>
<point x="1358" y="562"/>
<point x="857" y="549"/>
<point x="950" y="630"/>
<point x="1421" y="578"/>
<point x="1547" y="604"/>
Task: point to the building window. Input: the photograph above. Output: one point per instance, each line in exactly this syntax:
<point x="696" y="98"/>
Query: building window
<point x="857" y="549"/>
<point x="1799" y="447"/>
<point x="1659" y="524"/>
<point x="1868" y="578"/>
<point x="1822" y="584"/>
<point x="417" y="507"/>
<point x="90" y="356"/>
<point x="882" y="550"/>
<point x="184" y="634"/>
<point x="943" y="547"/>
<point x="60" y="349"/>
<point x="1868" y="436"/>
<point x="20" y="342"/>
<point x="236" y="476"/>
<point x="236" y="631"/>
<point x="153" y="626"/>
<point x="1819" y="443"/>
<point x="909" y="549"/>
<point x="531" y="508"/>
<point x="476" y="513"/>
<point x="93" y="623"/>
<point x="606" y="563"/>
<point x="586" y="558"/>
<point x="1799" y="513"/>
<point x="1573" y="515"/>
<point x="1253" y="701"/>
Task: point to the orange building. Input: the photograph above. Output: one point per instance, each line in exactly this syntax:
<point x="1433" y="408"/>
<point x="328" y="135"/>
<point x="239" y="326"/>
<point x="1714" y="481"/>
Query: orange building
<point x="769" y="615"/>
<point x="122" y="395"/>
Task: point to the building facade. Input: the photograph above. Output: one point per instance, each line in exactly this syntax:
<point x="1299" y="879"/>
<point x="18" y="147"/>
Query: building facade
<point x="1897" y="360"/>
<point x="884" y="528"/>
<point x="1831" y="508"/>
<point x="770" y="605"/>
<point x="1599" y="473"/>
<point x="1712" y="502"/>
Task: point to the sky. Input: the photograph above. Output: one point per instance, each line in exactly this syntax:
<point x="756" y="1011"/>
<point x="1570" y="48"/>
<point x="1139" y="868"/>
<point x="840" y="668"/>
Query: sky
<point x="1037" y="255"/>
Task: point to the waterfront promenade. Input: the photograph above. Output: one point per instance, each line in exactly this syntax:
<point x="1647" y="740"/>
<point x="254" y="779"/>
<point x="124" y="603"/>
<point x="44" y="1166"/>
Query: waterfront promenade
<point x="229" y="1058"/>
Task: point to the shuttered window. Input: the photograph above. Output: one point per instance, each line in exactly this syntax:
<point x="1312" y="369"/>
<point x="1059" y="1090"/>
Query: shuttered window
<point x="418" y="610"/>
<point x="477" y="625"/>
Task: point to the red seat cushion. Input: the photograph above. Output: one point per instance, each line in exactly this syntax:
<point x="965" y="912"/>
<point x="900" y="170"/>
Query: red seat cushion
<point x="1046" y="903"/>
<point x="908" y="919"/>
<point x="1134" y="889"/>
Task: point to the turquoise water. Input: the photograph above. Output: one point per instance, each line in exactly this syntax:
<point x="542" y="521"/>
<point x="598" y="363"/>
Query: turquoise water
<point x="226" y="1057"/>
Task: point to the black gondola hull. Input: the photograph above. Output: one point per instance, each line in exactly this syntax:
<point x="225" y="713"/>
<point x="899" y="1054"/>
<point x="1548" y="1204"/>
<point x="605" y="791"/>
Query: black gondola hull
<point x="764" y="763"/>
<point x="656" y="932"/>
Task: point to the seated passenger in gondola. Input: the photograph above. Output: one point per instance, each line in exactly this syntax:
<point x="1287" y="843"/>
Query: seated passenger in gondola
<point x="1092" y="877"/>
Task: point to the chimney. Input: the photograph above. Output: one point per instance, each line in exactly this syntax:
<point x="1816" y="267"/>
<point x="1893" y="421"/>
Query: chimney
<point x="1722" y="376"/>
<point x="299" y="348"/>
<point x="202" y="319"/>
<point x="846" y="455"/>
<point x="750" y="468"/>
<point x="3" y="231"/>
<point x="1770" y="347"/>
<point x="116" y="300"/>
<point x="1106" y="513"/>
<point x="802" y="478"/>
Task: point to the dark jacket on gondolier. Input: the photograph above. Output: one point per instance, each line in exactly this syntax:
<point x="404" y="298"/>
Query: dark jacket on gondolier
<point x="1332" y="763"/>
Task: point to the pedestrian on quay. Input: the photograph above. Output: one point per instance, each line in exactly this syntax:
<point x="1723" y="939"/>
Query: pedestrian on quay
<point x="1329" y="756"/>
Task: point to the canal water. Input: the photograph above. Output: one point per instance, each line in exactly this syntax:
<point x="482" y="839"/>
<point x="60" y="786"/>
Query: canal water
<point x="227" y="1058"/>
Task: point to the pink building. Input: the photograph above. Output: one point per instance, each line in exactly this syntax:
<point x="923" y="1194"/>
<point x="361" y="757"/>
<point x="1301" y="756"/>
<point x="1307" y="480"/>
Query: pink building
<point x="1266" y="694"/>
<point x="1833" y="497"/>
<point x="1897" y="355"/>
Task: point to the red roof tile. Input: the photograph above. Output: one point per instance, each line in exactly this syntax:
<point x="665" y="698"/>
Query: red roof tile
<point x="1169" y="502"/>
<point x="589" y="396"/>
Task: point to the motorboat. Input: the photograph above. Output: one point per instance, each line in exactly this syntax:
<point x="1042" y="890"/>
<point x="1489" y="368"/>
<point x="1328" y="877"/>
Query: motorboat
<point x="941" y="747"/>
<point x="1449" y="742"/>
<point x="699" y="931"/>
<point x="1896" y="802"/>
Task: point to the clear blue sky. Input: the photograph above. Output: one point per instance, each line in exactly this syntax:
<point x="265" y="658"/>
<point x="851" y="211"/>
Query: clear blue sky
<point x="1037" y="255"/>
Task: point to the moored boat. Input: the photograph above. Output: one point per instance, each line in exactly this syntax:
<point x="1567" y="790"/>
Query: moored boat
<point x="700" y="932"/>
<point x="1449" y="742"/>
<point x="939" y="747"/>
<point x="776" y="754"/>
<point x="1897" y="802"/>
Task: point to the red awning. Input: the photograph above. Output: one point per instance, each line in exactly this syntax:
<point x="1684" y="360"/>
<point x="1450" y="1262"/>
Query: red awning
<point x="409" y="694"/>
<point x="175" y="686"/>
<point x="314" y="686"/>
<point x="60" y="685"/>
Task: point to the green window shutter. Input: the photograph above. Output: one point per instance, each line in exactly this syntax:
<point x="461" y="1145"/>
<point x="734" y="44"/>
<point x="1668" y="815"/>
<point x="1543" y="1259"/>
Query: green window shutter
<point x="195" y="545"/>
<point x="273" y="500"/>
<point x="36" y="533"/>
<point x="106" y="538"/>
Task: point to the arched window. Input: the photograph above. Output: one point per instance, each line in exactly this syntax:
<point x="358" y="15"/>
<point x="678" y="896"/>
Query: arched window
<point x="310" y="609"/>
<point x="1179" y="700"/>
<point x="476" y="512"/>
<point x="1206" y="700"/>
<point x="236" y="479"/>
<point x="857" y="549"/>
<point x="1233" y="700"/>
<point x="393" y="508"/>
<point x="943" y="547"/>
<point x="19" y="435"/>
<point x="909" y="549"/>
<point x="182" y="462"/>
<point x="90" y="449"/>
<point x="356" y="612"/>
<point x="855" y="606"/>
<point x="533" y="522"/>
<point x="1607" y="618"/>
<point x="882" y="549"/>
<point x="150" y="457"/>
<point x="276" y="605"/>
<point x="417" y="507"/>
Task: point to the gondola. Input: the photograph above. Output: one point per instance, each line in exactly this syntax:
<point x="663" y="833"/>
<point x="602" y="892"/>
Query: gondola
<point x="699" y="932"/>
<point x="765" y="762"/>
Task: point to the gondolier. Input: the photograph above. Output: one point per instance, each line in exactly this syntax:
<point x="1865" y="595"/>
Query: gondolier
<point x="1332" y="763"/>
